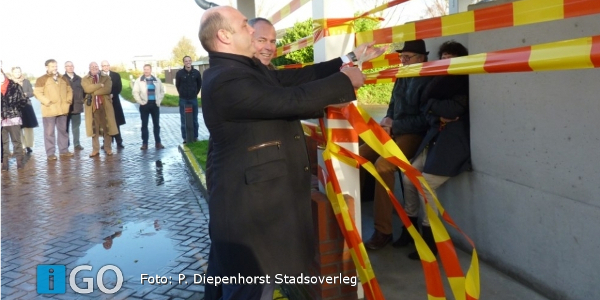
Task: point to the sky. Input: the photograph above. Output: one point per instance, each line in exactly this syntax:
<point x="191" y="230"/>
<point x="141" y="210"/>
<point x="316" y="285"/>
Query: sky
<point x="83" y="31"/>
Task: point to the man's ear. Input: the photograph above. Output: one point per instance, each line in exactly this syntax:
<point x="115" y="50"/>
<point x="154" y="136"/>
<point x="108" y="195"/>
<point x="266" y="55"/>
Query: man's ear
<point x="224" y="36"/>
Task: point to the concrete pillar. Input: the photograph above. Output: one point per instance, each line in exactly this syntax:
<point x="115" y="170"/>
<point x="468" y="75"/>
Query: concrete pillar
<point x="247" y="7"/>
<point x="325" y="49"/>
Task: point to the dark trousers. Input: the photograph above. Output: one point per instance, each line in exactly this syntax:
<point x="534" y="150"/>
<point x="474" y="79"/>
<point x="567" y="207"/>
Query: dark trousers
<point x="117" y="137"/>
<point x="194" y="104"/>
<point x="150" y="109"/>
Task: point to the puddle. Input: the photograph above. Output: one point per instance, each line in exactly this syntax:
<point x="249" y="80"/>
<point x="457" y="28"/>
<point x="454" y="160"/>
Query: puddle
<point x="139" y="248"/>
<point x="160" y="179"/>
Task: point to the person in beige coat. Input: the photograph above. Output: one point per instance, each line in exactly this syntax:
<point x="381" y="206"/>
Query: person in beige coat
<point x="55" y="94"/>
<point x="148" y="91"/>
<point x="99" y="112"/>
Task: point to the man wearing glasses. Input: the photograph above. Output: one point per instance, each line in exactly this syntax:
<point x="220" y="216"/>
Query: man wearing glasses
<point x="407" y="126"/>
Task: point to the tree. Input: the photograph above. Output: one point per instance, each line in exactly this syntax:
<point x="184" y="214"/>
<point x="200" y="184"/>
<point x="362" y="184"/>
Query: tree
<point x="372" y="93"/>
<point x="300" y="30"/>
<point x="436" y="8"/>
<point x="184" y="47"/>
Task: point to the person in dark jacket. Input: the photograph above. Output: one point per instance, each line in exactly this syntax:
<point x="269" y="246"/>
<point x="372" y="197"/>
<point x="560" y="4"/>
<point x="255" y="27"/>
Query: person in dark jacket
<point x="76" y="106"/>
<point x="13" y="101"/>
<point x="260" y="211"/>
<point x="407" y="125"/>
<point x="445" y="150"/>
<point x="188" y="82"/>
<point x="27" y="114"/>
<point x="117" y="87"/>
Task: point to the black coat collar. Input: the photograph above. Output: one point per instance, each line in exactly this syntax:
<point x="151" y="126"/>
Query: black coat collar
<point x="218" y="58"/>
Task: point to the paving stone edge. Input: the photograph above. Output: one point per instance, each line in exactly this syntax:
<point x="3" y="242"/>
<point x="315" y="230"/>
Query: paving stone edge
<point x="195" y="168"/>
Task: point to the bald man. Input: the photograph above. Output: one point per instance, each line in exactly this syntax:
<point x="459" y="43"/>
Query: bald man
<point x="260" y="207"/>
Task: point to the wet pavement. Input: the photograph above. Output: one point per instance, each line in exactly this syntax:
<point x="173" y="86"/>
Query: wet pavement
<point x="141" y="211"/>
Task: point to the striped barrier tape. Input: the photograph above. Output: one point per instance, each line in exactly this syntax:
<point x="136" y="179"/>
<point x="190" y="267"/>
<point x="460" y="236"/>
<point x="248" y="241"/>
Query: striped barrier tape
<point x="517" y="13"/>
<point x="348" y="227"/>
<point x="287" y="10"/>
<point x="374" y="136"/>
<point x="580" y="53"/>
<point x="463" y="288"/>
<point x="294" y="46"/>
<point x="382" y="7"/>
<point x="329" y="27"/>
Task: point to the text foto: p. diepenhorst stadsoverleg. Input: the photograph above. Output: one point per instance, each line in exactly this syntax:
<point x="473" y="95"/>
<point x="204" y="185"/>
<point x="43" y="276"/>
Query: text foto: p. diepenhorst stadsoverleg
<point x="239" y="279"/>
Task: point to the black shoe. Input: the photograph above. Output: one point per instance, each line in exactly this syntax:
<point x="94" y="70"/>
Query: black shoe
<point x="378" y="240"/>
<point x="405" y="237"/>
<point x="120" y="146"/>
<point x="28" y="150"/>
<point x="429" y="240"/>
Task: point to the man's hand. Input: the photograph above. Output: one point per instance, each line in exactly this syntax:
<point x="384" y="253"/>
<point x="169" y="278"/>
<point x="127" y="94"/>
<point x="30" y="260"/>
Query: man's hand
<point x="366" y="51"/>
<point x="386" y="124"/>
<point x="356" y="76"/>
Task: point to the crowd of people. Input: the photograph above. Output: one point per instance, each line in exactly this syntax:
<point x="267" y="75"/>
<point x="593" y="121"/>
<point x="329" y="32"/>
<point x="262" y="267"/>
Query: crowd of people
<point x="64" y="97"/>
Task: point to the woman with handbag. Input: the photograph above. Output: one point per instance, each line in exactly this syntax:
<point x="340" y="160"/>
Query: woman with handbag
<point x="28" y="117"/>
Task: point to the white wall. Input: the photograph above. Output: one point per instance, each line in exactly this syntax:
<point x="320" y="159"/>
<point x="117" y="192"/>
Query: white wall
<point x="532" y="202"/>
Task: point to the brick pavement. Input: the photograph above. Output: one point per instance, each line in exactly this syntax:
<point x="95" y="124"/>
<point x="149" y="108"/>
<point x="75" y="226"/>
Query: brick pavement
<point x="139" y="210"/>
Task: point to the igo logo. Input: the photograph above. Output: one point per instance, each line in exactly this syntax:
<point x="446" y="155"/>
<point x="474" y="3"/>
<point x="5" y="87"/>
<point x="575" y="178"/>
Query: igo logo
<point x="51" y="279"/>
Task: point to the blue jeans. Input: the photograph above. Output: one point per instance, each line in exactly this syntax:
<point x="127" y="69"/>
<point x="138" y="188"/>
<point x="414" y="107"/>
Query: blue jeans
<point x="194" y="104"/>
<point x="150" y="109"/>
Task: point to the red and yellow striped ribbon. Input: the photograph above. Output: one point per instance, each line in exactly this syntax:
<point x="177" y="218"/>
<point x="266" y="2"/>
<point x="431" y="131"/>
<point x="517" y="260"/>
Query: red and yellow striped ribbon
<point x="297" y="45"/>
<point x="375" y="137"/>
<point x="348" y="227"/>
<point x="387" y="60"/>
<point x="500" y="16"/>
<point x="329" y="27"/>
<point x="382" y="7"/>
<point x="580" y="53"/>
<point x="287" y="10"/>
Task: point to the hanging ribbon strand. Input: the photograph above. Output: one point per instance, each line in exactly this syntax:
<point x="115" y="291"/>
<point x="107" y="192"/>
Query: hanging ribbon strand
<point x="287" y="10"/>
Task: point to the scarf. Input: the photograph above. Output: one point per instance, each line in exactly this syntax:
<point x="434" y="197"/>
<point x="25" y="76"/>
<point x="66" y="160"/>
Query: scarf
<point x="97" y="99"/>
<point x="19" y="80"/>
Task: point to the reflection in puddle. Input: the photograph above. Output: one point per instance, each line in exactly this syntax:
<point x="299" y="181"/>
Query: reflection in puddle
<point x="138" y="248"/>
<point x="160" y="180"/>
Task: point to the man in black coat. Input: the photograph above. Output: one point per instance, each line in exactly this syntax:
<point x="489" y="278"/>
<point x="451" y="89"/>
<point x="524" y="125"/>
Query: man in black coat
<point x="117" y="86"/>
<point x="445" y="150"/>
<point x="407" y="126"/>
<point x="188" y="82"/>
<point x="260" y="211"/>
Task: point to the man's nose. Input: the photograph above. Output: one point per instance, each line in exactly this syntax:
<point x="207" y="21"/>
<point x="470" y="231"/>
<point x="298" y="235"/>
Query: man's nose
<point x="270" y="46"/>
